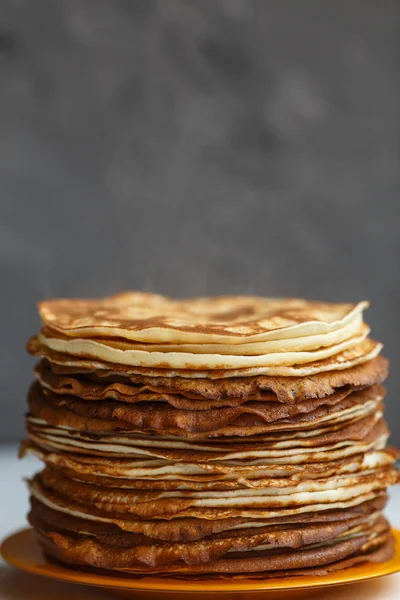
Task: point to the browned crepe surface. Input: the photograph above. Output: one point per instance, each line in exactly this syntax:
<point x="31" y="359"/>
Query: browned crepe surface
<point x="356" y="354"/>
<point x="187" y="528"/>
<point x="250" y="418"/>
<point x="209" y="468"/>
<point x="86" y="550"/>
<point x="117" y="383"/>
<point x="141" y="316"/>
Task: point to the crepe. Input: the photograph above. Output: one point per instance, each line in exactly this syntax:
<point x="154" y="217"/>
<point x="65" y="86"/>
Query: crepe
<point x="62" y="512"/>
<point x="147" y="550"/>
<point x="115" y="351"/>
<point x="141" y="550"/>
<point x="221" y="437"/>
<point x="153" y="318"/>
<point x="92" y="384"/>
<point x="161" y="474"/>
<point x="357" y="352"/>
<point x="124" y="548"/>
<point x="367" y="435"/>
<point x="250" y="503"/>
<point x="252" y="418"/>
<point x="60" y="515"/>
<point x="318" y="560"/>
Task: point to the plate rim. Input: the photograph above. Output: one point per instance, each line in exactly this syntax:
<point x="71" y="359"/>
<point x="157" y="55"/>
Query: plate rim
<point x="156" y="584"/>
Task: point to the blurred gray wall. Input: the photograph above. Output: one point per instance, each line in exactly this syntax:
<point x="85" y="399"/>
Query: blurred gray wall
<point x="197" y="147"/>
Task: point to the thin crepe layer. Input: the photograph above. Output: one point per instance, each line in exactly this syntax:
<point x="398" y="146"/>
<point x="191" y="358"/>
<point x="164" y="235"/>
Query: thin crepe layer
<point x="250" y="419"/>
<point x="153" y="318"/>
<point x="159" y="474"/>
<point x="377" y="553"/>
<point x="208" y="438"/>
<point x="85" y="550"/>
<point x="144" y="550"/>
<point x="297" y="344"/>
<point x="355" y="354"/>
<point x="90" y="383"/>
<point x="118" y="352"/>
<point x="252" y="503"/>
<point x="68" y="514"/>
<point x="291" y="447"/>
<point x="194" y="530"/>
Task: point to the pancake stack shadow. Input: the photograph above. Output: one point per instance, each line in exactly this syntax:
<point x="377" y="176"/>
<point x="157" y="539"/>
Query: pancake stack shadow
<point x="222" y="437"/>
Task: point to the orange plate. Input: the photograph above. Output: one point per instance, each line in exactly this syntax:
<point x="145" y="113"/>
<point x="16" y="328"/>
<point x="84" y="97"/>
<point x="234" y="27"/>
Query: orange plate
<point x="22" y="551"/>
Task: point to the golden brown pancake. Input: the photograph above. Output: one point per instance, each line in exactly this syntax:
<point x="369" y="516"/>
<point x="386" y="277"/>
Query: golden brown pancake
<point x="248" y="419"/>
<point x="208" y="438"/>
<point x="282" y="528"/>
<point x="264" y="361"/>
<point x="287" y="446"/>
<point x="238" y="559"/>
<point x="359" y="352"/>
<point x="233" y="319"/>
<point x="164" y="475"/>
<point x="183" y="393"/>
<point x="65" y="515"/>
<point x="145" y="550"/>
<point x="250" y="503"/>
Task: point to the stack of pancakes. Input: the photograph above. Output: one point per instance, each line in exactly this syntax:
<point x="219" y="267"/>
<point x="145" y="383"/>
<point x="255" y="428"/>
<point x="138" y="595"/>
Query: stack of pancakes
<point x="230" y="436"/>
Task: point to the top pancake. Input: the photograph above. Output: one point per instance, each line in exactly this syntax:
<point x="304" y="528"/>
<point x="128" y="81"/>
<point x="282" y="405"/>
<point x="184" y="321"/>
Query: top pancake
<point x="152" y="318"/>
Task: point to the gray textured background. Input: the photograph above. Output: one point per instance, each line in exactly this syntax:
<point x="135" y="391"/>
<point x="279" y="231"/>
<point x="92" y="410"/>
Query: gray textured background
<point x="197" y="147"/>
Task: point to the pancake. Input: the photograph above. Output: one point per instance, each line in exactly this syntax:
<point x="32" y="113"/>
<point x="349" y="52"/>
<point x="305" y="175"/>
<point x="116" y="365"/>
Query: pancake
<point x="57" y="494"/>
<point x="145" y="550"/>
<point x="85" y="550"/>
<point x="249" y="419"/>
<point x="222" y="437"/>
<point x="63" y="513"/>
<point x="153" y="318"/>
<point x="250" y="503"/>
<point x="128" y="543"/>
<point x="115" y="351"/>
<point x="92" y="384"/>
<point x="297" y="344"/>
<point x="380" y="551"/>
<point x="328" y="443"/>
<point x="355" y="354"/>
<point x="146" y="533"/>
<point x="159" y="474"/>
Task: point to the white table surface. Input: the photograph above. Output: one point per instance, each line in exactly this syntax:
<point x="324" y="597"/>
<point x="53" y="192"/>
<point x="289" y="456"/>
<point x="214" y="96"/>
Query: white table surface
<point x="15" y="585"/>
